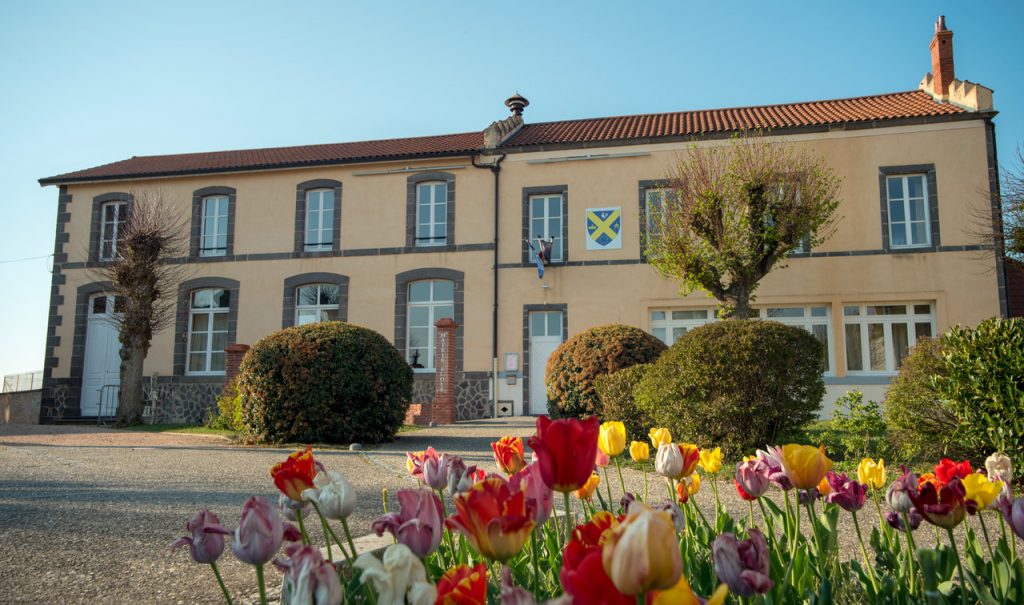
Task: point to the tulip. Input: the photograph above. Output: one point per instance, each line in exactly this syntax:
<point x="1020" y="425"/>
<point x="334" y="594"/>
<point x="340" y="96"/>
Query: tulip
<point x="539" y="497"/>
<point x="871" y="473"/>
<point x="414" y="461"/>
<point x="601" y="459"/>
<point x="565" y="451"/>
<point x="678" y="519"/>
<point x="260" y="532"/>
<point x="896" y="522"/>
<point x="660" y="437"/>
<point x="944" y="505"/>
<point x="900" y="493"/>
<point x="463" y="585"/>
<point x="687" y="487"/>
<point x="847" y="493"/>
<point x="333" y="495"/>
<point x="639" y="451"/>
<point x="744" y="565"/>
<point x="398" y="579"/>
<point x="291" y="510"/>
<point x="508" y="453"/>
<point x="587" y="491"/>
<point x="1013" y="513"/>
<point x="611" y="438"/>
<point x="584" y="579"/>
<point x="682" y="594"/>
<point x="308" y="578"/>
<point x="206" y="539"/>
<point x="805" y="465"/>
<point x="711" y="460"/>
<point x="752" y="478"/>
<point x="979" y="492"/>
<point x="947" y="469"/>
<point x="807" y="496"/>
<point x="493" y="517"/>
<point x="295" y="474"/>
<point x="435" y="472"/>
<point x="642" y="553"/>
<point x="418" y="524"/>
<point x="772" y="459"/>
<point x="462" y="477"/>
<point x="999" y="468"/>
<point x="669" y="461"/>
<point x="823" y="487"/>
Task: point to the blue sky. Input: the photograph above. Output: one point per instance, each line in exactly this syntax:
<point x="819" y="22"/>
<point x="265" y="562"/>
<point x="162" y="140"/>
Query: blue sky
<point x="83" y="84"/>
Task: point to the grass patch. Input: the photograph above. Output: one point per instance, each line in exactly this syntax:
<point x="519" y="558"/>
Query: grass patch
<point x="410" y="428"/>
<point x="195" y="429"/>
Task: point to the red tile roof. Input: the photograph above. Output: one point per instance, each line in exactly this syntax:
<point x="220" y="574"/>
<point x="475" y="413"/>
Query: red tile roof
<point x="911" y="104"/>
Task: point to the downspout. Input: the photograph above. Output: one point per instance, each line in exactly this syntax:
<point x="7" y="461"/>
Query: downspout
<point x="495" y="169"/>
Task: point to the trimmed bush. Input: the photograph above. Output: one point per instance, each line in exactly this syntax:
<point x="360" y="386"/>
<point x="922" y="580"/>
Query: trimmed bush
<point x="329" y="382"/>
<point x="857" y="430"/>
<point x="228" y="414"/>
<point x="920" y="423"/>
<point x="737" y="384"/>
<point x="615" y="391"/>
<point x="575" y="364"/>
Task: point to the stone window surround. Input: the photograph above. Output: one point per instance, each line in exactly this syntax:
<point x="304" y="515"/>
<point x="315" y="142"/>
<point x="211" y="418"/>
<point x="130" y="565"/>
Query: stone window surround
<point x="196" y="231"/>
<point x="933" y="205"/>
<point x="562" y="190"/>
<point x="96" y="225"/>
<point x="402" y="281"/>
<point x="294" y="282"/>
<point x="527" y="309"/>
<point x="181" y="319"/>
<point x="644" y="186"/>
<point x="300" y="214"/>
<point x="410" y="206"/>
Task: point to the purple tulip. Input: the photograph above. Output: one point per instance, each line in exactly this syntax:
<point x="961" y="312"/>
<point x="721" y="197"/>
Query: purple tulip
<point x="807" y="496"/>
<point x="678" y="520"/>
<point x="626" y="499"/>
<point x="772" y="458"/>
<point x="435" y="472"/>
<point x="460" y="476"/>
<point x="260" y="532"/>
<point x="900" y="492"/>
<point x="848" y="493"/>
<point x="418" y="524"/>
<point x="752" y="476"/>
<point x="896" y="521"/>
<point x="539" y="497"/>
<point x="308" y="578"/>
<point x="207" y="540"/>
<point x="743" y="564"/>
<point x="1013" y="513"/>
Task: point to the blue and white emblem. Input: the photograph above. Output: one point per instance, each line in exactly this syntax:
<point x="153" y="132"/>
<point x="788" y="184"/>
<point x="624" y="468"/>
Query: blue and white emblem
<point x="604" y="228"/>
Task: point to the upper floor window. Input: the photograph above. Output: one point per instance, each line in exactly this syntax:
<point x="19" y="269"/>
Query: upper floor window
<point x="208" y="331"/>
<point x="669" y="325"/>
<point x="432" y="214"/>
<point x="653" y="205"/>
<point x="546" y="221"/>
<point x="909" y="220"/>
<point x="315" y="303"/>
<point x="112" y="218"/>
<point x="429" y="300"/>
<point x="815" y="319"/>
<point x="213" y="239"/>
<point x="319" y="220"/>
<point x="879" y="336"/>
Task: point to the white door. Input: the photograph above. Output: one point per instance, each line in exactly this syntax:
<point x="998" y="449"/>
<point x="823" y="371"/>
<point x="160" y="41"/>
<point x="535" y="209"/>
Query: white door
<point x="545" y="336"/>
<point x="102" y="354"/>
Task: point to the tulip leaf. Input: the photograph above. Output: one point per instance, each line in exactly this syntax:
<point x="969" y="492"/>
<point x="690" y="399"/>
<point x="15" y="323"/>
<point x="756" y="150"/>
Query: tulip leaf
<point x="981" y="591"/>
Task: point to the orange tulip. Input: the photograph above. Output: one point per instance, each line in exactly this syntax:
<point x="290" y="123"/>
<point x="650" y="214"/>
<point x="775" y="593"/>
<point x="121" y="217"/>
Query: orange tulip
<point x="295" y="474"/>
<point x="587" y="491"/>
<point x="508" y="453"/>
<point x="493" y="517"/>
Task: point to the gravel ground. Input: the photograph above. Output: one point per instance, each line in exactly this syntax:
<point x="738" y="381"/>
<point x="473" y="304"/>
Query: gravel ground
<point x="87" y="514"/>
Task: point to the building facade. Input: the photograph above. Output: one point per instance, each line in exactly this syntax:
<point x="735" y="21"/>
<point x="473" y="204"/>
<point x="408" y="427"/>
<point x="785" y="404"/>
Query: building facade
<point x="396" y="234"/>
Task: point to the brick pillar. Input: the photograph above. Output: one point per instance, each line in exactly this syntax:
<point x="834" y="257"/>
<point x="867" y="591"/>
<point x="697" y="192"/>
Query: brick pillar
<point x="235" y="353"/>
<point x="444" y="367"/>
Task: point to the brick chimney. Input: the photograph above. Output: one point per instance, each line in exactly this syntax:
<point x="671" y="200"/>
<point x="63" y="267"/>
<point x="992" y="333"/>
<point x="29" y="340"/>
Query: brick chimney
<point x="942" y="59"/>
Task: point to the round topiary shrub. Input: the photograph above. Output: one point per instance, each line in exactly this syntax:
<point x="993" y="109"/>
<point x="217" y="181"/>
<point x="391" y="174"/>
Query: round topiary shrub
<point x="919" y="422"/>
<point x="615" y="391"/>
<point x="736" y="384"/>
<point x="575" y="364"/>
<point x="329" y="382"/>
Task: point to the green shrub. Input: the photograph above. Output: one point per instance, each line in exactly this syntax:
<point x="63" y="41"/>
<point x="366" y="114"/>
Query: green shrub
<point x="736" y="384"/>
<point x="920" y="423"/>
<point x="615" y="391"/>
<point x="329" y="382"/>
<point x="228" y="412"/>
<point x="857" y="430"/>
<point x="575" y="364"/>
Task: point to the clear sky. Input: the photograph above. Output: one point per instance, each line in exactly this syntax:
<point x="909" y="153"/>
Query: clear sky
<point x="87" y="83"/>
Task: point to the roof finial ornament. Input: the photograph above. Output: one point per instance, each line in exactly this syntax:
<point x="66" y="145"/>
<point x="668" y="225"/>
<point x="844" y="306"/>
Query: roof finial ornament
<point x="516" y="103"/>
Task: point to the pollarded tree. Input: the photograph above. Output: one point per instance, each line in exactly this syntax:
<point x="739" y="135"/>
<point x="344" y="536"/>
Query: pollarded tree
<point x="734" y="212"/>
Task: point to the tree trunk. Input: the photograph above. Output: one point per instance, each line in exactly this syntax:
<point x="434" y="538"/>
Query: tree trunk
<point x="737" y="300"/>
<point x="131" y="398"/>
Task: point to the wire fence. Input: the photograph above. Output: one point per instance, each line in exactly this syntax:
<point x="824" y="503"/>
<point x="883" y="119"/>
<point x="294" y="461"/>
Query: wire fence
<point x="26" y="381"/>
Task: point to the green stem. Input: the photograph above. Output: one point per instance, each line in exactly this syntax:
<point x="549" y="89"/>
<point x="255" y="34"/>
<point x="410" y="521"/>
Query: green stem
<point x="959" y="567"/>
<point x="608" y="486"/>
<point x="787" y="527"/>
<point x="568" y="519"/>
<point x="536" y="565"/>
<point x="329" y="535"/>
<point x="645" y="485"/>
<point x="671" y="483"/>
<point x="262" y="585"/>
<point x="302" y="526"/>
<point x="348" y="536"/>
<point x="622" y="482"/>
<point x="223" y="589"/>
<point x="817" y="540"/>
<point x="768" y="522"/>
<point x="984" y="531"/>
<point x="446" y="536"/>
<point x="796" y="530"/>
<point x="702" y="517"/>
<point x="881" y="520"/>
<point x="641" y="599"/>
<point x="864" y="551"/>
<point x="911" y="550"/>
<point x="714" y="488"/>
<point x="750" y="504"/>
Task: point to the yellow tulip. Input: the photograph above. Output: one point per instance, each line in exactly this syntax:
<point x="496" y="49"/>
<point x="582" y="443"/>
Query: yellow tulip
<point x="805" y="465"/>
<point x="659" y="437"/>
<point x="871" y="473"/>
<point x="981" y="489"/>
<point x="588" y="489"/>
<point x="642" y="553"/>
<point x="639" y="451"/>
<point x="711" y="460"/>
<point x="682" y="594"/>
<point x="693" y="483"/>
<point x="612" y="438"/>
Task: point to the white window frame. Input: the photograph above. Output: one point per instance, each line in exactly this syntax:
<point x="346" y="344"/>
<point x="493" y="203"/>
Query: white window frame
<point x="320" y="237"/>
<point x="208" y="351"/>
<point x="548" y="218"/>
<point x="670" y="324"/>
<point x="216" y="243"/>
<point x="319" y="308"/>
<point x="911" y="318"/>
<point x="110" y="231"/>
<point x="546" y="315"/>
<point x="432" y="306"/>
<point x="428" y="199"/>
<point x="807" y="321"/>
<point x="907" y="223"/>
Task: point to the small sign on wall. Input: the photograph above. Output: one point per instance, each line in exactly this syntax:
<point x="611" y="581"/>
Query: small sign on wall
<point x="604" y="228"/>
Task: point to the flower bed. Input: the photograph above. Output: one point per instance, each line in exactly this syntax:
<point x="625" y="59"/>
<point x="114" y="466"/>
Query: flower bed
<point x="467" y="537"/>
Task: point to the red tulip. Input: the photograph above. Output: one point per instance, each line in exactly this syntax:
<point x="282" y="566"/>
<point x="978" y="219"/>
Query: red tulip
<point x="463" y="585"/>
<point x="941" y="505"/>
<point x="946" y="469"/>
<point x="295" y="474"/>
<point x="493" y="517"/>
<point x="565" y="450"/>
<point x="508" y="453"/>
<point x="583" y="575"/>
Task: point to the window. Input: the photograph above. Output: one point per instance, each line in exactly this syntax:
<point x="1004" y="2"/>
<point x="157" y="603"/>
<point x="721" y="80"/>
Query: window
<point x="545" y="222"/>
<point x="208" y="330"/>
<point x="669" y="325"/>
<point x="213" y="239"/>
<point x="315" y="303"/>
<point x="653" y="205"/>
<point x="546" y="323"/>
<point x="112" y="218"/>
<point x="428" y="301"/>
<point x="432" y="214"/>
<point x="319" y="220"/>
<point x="815" y="319"/>
<point x="878" y="336"/>
<point x="909" y="220"/>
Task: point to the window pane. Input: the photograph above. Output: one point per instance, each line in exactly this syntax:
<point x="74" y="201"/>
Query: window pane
<point x="307" y="295"/>
<point x="99" y="305"/>
<point x="820" y="332"/>
<point x="444" y="311"/>
<point x="895" y="188"/>
<point x="781" y="312"/>
<point x="819" y="311"/>
<point x="659" y="333"/>
<point x="538" y="327"/>
<point x="918" y="233"/>
<point x="554" y="207"/>
<point x="922" y="309"/>
<point x="197" y="362"/>
<point x="418" y="357"/>
<point x="854" y="354"/>
<point x="657" y="315"/>
<point x="419" y="316"/>
<point x="419" y="338"/>
<point x="218" y="342"/>
<point x="305" y="316"/>
<point x="915" y="186"/>
<point x="898" y="234"/>
<point x="876" y="346"/>
<point x="328" y="294"/>
<point x="900" y="342"/>
<point x="200" y="322"/>
<point x="851" y="310"/>
<point x="198" y="342"/>
<point x="554" y="324"/>
<point x="419" y="291"/>
<point x="887" y="310"/>
<point x="556" y="245"/>
<point x="690" y="314"/>
<point x="537" y="207"/>
<point x="217" y="361"/>
<point x="677" y="333"/>
<point x="439" y="213"/>
<point x="444" y="290"/>
<point x="221" y="299"/>
<point x="923" y="330"/>
<point x="917" y="210"/>
<point x="220" y="322"/>
<point x="536" y="230"/>
<point x="329" y="315"/>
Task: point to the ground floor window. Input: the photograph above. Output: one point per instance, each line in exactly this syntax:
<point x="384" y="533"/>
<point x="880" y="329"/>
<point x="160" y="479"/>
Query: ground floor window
<point x="208" y="331"/>
<point x="814" y="318"/>
<point x="429" y="301"/>
<point x="669" y="325"/>
<point x="879" y="336"/>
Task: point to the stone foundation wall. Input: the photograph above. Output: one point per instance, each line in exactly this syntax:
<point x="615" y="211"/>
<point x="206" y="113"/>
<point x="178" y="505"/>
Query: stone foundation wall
<point x="472" y="399"/>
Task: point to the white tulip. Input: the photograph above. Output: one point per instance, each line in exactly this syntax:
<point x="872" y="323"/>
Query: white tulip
<point x="669" y="461"/>
<point x="333" y="494"/>
<point x="398" y="579"/>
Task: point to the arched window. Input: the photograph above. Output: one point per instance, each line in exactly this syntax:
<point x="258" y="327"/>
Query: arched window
<point x="428" y="301"/>
<point x="316" y="302"/>
<point x="208" y="330"/>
